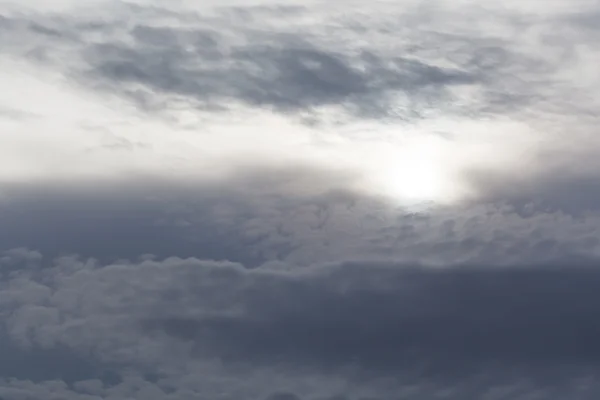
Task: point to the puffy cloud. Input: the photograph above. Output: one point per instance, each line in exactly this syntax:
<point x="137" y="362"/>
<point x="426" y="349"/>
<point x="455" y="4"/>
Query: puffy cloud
<point x="193" y="326"/>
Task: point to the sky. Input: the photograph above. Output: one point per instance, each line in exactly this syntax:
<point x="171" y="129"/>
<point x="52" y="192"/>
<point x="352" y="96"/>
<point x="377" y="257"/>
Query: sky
<point x="299" y="200"/>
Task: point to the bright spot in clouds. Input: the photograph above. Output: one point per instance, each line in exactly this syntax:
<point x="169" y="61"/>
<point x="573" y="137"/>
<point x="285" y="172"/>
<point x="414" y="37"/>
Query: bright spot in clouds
<point x="71" y="133"/>
<point x="414" y="172"/>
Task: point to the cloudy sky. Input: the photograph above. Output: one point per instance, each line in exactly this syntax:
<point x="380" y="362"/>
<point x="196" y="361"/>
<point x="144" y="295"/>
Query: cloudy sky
<point x="299" y="200"/>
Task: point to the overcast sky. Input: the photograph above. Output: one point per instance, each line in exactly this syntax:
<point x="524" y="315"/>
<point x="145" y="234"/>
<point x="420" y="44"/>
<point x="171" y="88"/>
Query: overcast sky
<point x="299" y="200"/>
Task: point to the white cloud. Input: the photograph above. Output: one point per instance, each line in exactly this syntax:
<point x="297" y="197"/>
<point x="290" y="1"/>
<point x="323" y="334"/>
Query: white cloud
<point x="495" y="98"/>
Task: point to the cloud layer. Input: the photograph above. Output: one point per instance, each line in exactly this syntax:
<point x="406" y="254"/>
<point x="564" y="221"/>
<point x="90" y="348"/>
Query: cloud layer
<point x="495" y="90"/>
<point x="302" y="201"/>
<point x="341" y="327"/>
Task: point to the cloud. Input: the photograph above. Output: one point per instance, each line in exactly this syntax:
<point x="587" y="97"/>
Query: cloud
<point x="282" y="396"/>
<point x="39" y="364"/>
<point x="192" y="327"/>
<point x="227" y="200"/>
<point x="500" y="87"/>
<point x="274" y="215"/>
<point x="451" y="319"/>
<point x="285" y="74"/>
<point x="554" y="189"/>
<point x="210" y="61"/>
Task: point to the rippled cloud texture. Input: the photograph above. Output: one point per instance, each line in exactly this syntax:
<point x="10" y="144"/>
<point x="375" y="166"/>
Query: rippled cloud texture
<point x="299" y="200"/>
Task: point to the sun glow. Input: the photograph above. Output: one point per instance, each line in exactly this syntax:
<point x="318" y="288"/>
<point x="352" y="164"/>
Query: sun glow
<point x="413" y="180"/>
<point x="89" y="137"/>
<point x="415" y="172"/>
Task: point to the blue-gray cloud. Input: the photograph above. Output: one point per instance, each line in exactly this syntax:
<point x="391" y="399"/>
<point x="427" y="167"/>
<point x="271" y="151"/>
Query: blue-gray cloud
<point x="254" y="219"/>
<point x="379" y="328"/>
<point x="398" y="317"/>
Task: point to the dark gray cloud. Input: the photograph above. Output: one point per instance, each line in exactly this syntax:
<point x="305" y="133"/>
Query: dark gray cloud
<point x="438" y="321"/>
<point x="377" y="329"/>
<point x="284" y="74"/>
<point x="282" y="396"/>
<point x="298" y="215"/>
<point x="433" y="327"/>
<point x="110" y="225"/>
<point x="151" y="216"/>
<point x="39" y="364"/>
